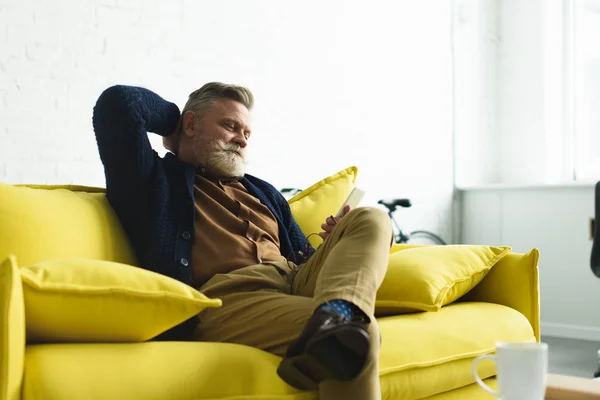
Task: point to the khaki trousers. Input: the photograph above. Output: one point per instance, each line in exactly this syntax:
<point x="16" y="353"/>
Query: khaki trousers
<point x="267" y="305"/>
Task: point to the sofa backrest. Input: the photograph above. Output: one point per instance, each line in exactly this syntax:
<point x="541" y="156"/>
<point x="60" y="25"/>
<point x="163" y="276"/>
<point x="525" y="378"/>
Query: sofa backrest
<point x="44" y="222"/>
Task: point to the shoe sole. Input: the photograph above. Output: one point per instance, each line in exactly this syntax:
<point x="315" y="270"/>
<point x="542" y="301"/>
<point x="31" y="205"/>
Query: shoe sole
<point x="340" y="354"/>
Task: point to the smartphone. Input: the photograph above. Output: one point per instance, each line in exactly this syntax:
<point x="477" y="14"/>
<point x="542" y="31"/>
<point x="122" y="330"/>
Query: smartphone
<point x="353" y="199"/>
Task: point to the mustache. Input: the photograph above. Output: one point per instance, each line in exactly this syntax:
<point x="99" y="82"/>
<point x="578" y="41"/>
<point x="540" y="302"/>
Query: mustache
<point x="231" y="147"/>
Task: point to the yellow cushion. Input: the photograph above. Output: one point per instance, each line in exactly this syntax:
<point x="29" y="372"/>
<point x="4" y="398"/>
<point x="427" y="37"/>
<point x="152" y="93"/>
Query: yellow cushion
<point x="312" y="206"/>
<point x="12" y="330"/>
<point x="427" y="278"/>
<point x="40" y="223"/>
<point x="422" y="354"/>
<point x="78" y="300"/>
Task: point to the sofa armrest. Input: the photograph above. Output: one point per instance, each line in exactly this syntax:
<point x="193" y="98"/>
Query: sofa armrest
<point x="12" y="329"/>
<point x="513" y="282"/>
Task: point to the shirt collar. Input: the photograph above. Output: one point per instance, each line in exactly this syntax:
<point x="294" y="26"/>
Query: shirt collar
<point x="202" y="171"/>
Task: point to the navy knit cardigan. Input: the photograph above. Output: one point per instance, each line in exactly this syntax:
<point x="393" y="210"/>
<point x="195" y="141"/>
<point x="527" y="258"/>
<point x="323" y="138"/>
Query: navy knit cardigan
<point x="153" y="196"/>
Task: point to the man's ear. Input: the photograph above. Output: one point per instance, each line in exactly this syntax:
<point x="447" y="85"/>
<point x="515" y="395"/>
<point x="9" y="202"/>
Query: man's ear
<point x="188" y="123"/>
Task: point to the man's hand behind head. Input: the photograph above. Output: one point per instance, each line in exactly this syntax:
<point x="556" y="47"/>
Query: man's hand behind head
<point x="171" y="142"/>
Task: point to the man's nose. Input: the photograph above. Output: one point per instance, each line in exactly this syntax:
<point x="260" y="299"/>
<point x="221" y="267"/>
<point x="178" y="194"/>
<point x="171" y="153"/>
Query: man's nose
<point x="241" y="141"/>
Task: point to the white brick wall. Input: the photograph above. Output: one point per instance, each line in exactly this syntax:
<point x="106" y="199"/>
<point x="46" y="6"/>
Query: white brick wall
<point x="337" y="83"/>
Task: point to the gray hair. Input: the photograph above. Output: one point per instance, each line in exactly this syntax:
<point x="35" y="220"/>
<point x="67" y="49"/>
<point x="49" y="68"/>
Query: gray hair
<point x="203" y="99"/>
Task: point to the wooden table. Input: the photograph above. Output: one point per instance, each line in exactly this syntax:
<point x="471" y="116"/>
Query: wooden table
<point x="562" y="387"/>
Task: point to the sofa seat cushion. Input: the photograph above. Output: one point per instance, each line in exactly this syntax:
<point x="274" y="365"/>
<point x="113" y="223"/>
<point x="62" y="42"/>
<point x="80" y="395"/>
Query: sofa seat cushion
<point x="471" y="392"/>
<point x="153" y="371"/>
<point x="428" y="353"/>
<point x="422" y="355"/>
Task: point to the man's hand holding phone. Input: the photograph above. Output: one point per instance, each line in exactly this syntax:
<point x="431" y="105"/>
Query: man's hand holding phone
<point x="351" y="202"/>
<point x="332" y="221"/>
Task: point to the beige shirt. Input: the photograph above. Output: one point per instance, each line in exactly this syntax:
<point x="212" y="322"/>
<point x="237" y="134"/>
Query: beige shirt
<point x="233" y="229"/>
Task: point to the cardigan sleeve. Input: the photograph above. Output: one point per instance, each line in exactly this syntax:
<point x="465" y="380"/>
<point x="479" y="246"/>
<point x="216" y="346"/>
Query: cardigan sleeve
<point x="122" y="118"/>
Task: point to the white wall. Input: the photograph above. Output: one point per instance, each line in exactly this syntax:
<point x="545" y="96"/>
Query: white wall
<point x="554" y="219"/>
<point x="337" y="83"/>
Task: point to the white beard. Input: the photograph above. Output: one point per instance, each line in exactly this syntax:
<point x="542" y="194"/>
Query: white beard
<point x="224" y="161"/>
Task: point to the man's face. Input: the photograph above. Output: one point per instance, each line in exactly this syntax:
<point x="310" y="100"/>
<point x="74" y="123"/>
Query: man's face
<point x="220" y="139"/>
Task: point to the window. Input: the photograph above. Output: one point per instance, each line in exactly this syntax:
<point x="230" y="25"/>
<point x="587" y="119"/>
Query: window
<point x="586" y="88"/>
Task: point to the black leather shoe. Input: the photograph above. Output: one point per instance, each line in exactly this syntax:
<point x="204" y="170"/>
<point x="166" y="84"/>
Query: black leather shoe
<point x="331" y="347"/>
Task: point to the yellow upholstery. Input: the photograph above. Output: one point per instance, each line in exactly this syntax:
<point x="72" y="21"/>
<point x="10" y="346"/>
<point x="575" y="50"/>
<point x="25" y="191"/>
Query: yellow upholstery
<point x="427" y="278"/>
<point x="396" y="247"/>
<point x="41" y="223"/>
<point x="313" y="205"/>
<point x="427" y="353"/>
<point x="153" y="371"/>
<point x="12" y="330"/>
<point x="422" y="355"/>
<point x="513" y="282"/>
<point x="471" y="392"/>
<point x="78" y="300"/>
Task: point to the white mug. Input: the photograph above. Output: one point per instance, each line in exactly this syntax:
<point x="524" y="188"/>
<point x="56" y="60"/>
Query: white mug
<point x="522" y="370"/>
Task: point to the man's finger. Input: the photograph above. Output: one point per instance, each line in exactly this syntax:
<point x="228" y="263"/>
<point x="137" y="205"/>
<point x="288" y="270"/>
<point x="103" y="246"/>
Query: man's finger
<point x="323" y="235"/>
<point x="327" y="228"/>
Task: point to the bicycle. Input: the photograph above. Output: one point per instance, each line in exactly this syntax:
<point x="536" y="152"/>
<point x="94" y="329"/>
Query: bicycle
<point x="414" y="237"/>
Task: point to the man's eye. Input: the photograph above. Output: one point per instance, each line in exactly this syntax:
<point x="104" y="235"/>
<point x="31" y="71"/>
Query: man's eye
<point x="229" y="126"/>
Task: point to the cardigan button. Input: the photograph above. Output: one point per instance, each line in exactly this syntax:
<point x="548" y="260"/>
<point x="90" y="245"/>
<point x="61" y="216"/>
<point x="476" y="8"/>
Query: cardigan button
<point x="186" y="235"/>
<point x="184" y="262"/>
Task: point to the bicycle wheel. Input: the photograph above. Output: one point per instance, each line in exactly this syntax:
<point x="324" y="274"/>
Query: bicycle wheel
<point x="425" y="237"/>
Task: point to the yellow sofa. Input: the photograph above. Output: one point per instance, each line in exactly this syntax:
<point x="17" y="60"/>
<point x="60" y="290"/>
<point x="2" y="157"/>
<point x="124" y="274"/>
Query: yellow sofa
<point x="424" y="355"/>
